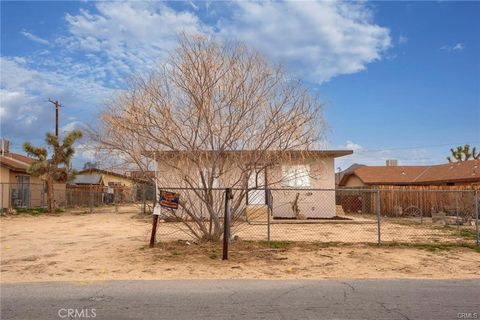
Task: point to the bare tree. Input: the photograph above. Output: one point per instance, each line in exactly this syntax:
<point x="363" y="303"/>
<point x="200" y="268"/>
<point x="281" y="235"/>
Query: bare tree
<point x="211" y="116"/>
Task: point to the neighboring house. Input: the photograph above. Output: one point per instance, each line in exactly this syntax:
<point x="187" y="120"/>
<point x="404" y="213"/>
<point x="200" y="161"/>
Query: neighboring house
<point x="302" y="172"/>
<point x="108" y="185"/>
<point x="88" y="180"/>
<point x="105" y="178"/>
<point x="449" y="174"/>
<point x="339" y="175"/>
<point x="18" y="188"/>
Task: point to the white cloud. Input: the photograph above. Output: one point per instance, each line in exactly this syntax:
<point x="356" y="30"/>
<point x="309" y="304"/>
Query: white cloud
<point x="456" y="47"/>
<point x="318" y="40"/>
<point x="34" y="38"/>
<point x="323" y="39"/>
<point x="193" y="5"/>
<point x="24" y="93"/>
<point x="73" y="125"/>
<point x="103" y="47"/>
<point x="402" y="40"/>
<point x="127" y="37"/>
<point x="352" y="146"/>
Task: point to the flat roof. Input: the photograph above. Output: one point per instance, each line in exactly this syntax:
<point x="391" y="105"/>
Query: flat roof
<point x="288" y="153"/>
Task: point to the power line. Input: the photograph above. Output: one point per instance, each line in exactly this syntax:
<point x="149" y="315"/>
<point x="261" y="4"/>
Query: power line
<point x="57" y="106"/>
<point x="412" y="148"/>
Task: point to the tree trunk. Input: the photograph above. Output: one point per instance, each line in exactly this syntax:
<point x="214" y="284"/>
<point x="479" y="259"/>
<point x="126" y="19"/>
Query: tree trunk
<point x="50" y="195"/>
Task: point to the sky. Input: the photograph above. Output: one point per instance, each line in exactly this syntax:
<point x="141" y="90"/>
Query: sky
<point x="399" y="80"/>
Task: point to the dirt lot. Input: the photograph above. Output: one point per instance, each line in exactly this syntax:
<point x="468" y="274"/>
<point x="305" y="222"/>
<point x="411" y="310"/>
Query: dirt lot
<point x="105" y="246"/>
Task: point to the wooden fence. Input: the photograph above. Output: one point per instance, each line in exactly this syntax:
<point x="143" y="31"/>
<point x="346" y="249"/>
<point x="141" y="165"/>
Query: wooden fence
<point x="405" y="200"/>
<point x="86" y="195"/>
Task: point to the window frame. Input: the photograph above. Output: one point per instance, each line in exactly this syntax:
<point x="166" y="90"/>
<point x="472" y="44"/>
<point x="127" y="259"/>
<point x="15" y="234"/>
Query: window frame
<point x="296" y="182"/>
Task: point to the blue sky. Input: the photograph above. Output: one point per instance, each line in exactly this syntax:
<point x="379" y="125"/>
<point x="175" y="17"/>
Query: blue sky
<point x="399" y="80"/>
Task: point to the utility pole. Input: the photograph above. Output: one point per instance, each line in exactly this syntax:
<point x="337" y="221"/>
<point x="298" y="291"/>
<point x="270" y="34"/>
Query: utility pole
<point x="57" y="106"/>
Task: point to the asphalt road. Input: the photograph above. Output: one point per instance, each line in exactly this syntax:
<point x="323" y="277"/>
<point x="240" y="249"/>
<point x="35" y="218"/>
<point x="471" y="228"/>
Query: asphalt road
<point x="240" y="299"/>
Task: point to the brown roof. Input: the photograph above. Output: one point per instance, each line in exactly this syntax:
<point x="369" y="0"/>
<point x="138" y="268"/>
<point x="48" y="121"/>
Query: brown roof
<point x="465" y="171"/>
<point x="15" y="161"/>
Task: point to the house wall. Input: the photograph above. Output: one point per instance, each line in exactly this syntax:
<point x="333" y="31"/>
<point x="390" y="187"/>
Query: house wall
<point x="354" y="182"/>
<point x="4" y="192"/>
<point x="36" y="188"/>
<point x="111" y="178"/>
<point x="312" y="203"/>
<point x="37" y="196"/>
<point x="107" y="178"/>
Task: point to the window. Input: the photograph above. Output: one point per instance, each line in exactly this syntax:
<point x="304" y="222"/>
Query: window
<point x="207" y="173"/>
<point x="296" y="176"/>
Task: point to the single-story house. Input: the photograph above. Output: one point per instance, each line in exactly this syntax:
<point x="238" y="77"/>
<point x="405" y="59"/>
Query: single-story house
<point x="19" y="189"/>
<point x="339" y="175"/>
<point x="105" y="178"/>
<point x="106" y="185"/>
<point x="449" y="174"/>
<point x="296" y="176"/>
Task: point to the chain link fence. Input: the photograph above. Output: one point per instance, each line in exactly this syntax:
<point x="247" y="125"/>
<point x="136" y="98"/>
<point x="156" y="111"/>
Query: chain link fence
<point x="33" y="198"/>
<point x="328" y="216"/>
<point x="310" y="215"/>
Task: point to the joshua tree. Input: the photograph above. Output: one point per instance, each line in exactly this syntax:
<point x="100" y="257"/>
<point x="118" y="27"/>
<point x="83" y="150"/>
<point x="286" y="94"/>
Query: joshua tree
<point x="462" y="153"/>
<point x="56" y="169"/>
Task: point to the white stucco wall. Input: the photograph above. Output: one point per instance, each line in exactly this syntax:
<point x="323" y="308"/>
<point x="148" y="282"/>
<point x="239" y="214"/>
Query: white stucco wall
<point x="314" y="203"/>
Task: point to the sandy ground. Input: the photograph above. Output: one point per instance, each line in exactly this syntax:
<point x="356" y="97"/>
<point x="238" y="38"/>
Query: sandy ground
<point x="105" y="246"/>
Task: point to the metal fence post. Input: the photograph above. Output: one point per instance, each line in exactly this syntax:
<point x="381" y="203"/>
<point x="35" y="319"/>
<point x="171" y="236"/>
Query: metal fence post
<point x="269" y="199"/>
<point x="268" y="225"/>
<point x="226" y="223"/>
<point x="144" y="199"/>
<point x="377" y="209"/>
<point x="456" y="209"/>
<point x="476" y="217"/>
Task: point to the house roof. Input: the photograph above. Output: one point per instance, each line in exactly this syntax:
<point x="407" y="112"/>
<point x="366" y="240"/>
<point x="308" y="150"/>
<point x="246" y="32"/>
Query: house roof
<point x="339" y="175"/>
<point x="88" y="179"/>
<point x="465" y="171"/>
<point x="236" y="153"/>
<point x="15" y="162"/>
<point x="105" y="172"/>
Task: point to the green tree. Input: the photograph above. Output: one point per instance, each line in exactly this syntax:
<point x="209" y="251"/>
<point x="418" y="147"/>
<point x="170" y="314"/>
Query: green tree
<point x="54" y="170"/>
<point x="463" y="153"/>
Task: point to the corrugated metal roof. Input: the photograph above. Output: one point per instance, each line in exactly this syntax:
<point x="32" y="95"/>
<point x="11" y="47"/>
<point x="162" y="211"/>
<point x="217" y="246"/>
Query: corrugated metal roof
<point x="88" y="179"/>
